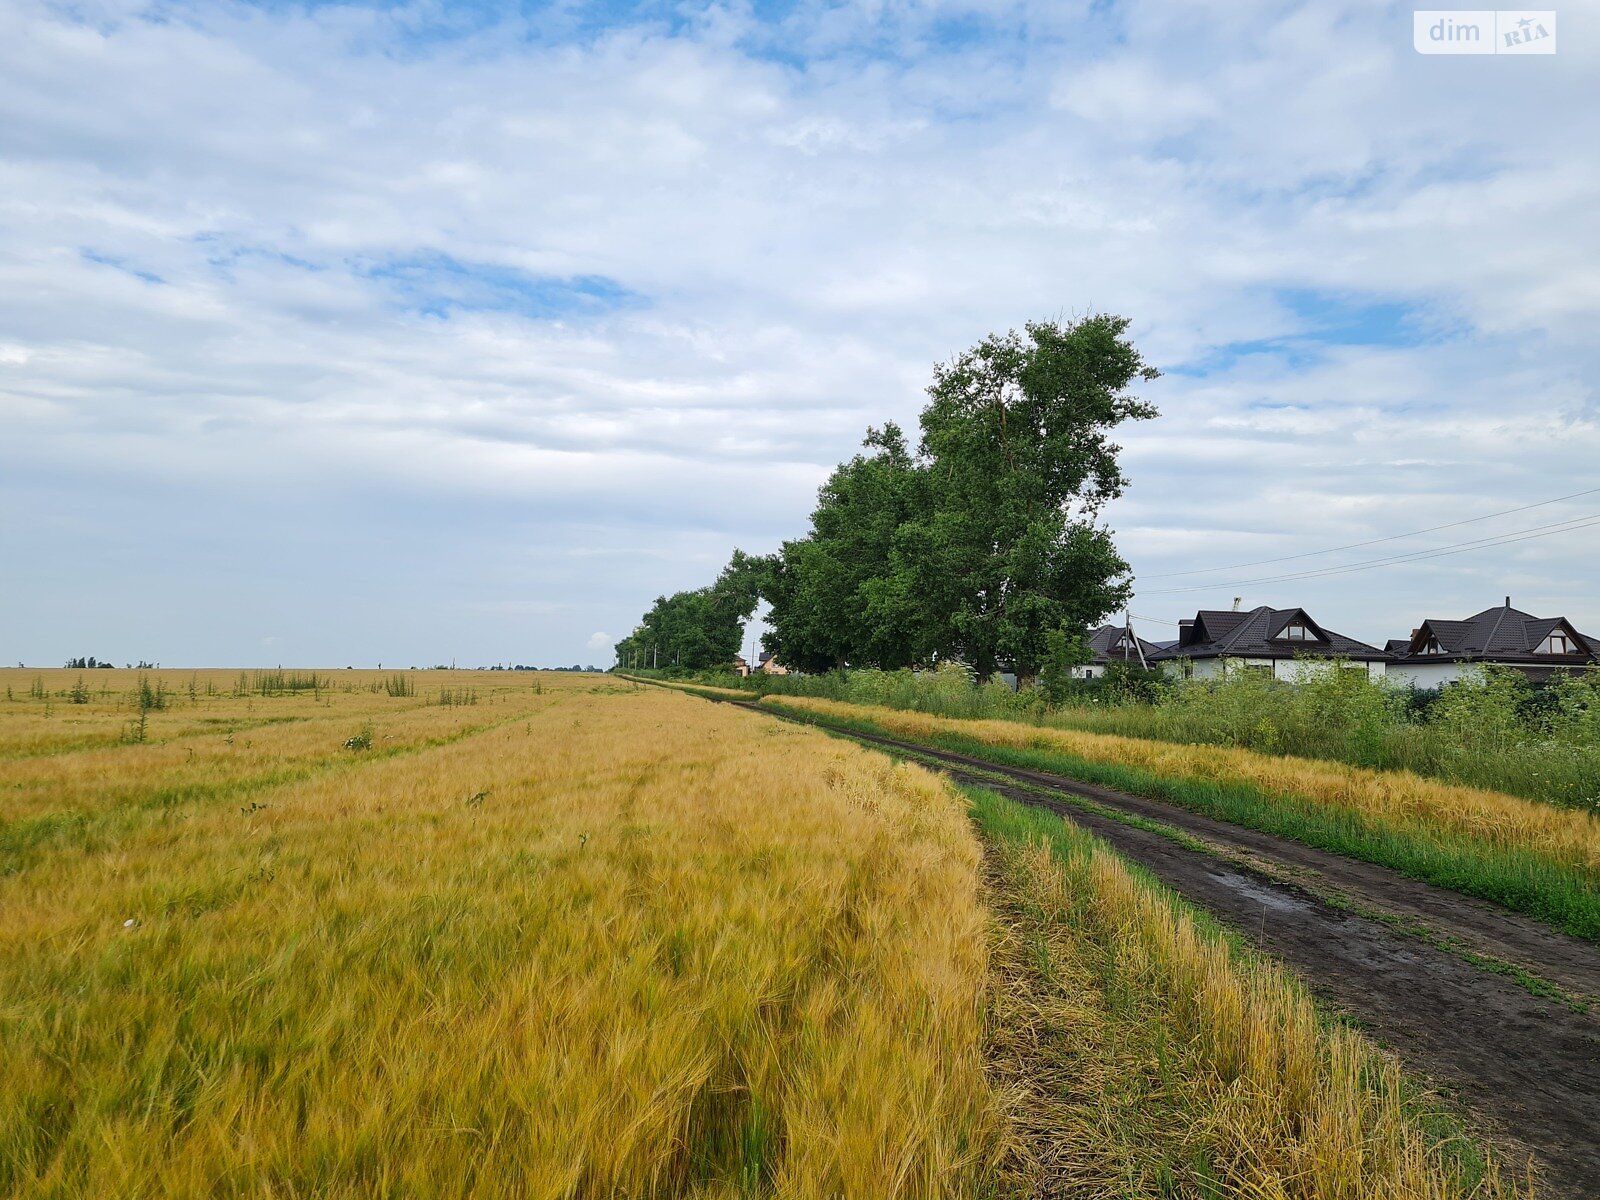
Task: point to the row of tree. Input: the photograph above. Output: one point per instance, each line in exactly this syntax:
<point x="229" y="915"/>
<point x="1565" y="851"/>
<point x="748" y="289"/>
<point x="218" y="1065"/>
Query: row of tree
<point x="983" y="543"/>
<point x="699" y="630"/>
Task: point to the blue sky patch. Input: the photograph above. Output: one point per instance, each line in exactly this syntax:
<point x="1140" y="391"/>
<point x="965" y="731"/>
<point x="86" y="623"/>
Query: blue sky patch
<point x="1320" y="320"/>
<point x="437" y="285"/>
<point x="119" y="264"/>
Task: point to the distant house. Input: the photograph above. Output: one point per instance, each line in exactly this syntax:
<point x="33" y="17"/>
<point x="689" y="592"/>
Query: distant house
<point x="1115" y="644"/>
<point x="740" y="667"/>
<point x="1267" y="639"/>
<point x="1438" y="651"/>
<point x="769" y="665"/>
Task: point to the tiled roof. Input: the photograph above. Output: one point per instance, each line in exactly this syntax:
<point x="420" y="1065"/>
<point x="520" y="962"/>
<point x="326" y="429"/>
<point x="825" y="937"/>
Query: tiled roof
<point x="1256" y="634"/>
<point x="1104" y="644"/>
<point x="1502" y="634"/>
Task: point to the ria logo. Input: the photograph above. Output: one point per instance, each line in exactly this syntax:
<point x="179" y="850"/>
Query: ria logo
<point x="1527" y="31"/>
<point x="1483" y="31"/>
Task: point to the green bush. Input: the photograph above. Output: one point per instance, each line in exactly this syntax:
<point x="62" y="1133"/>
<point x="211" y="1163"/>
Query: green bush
<point x="1492" y="729"/>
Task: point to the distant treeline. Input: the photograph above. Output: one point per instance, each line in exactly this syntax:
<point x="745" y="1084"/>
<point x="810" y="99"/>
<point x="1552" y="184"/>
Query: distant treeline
<point x="983" y="543"/>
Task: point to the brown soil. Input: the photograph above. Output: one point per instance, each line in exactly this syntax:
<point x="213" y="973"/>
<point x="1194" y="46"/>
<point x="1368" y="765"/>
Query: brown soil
<point x="1526" y="1067"/>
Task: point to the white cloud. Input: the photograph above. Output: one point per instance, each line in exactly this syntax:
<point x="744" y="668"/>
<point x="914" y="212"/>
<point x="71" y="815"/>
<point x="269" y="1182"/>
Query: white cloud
<point x="197" y="333"/>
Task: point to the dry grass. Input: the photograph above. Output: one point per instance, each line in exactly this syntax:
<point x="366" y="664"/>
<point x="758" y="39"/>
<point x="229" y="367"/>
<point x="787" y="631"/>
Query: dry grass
<point x="1395" y="798"/>
<point x="1147" y="1059"/>
<point x="594" y="941"/>
<point x="699" y="689"/>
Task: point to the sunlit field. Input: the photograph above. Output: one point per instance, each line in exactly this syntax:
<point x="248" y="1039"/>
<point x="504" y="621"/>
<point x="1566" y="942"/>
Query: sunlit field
<point x="438" y="934"/>
<point x="575" y="939"/>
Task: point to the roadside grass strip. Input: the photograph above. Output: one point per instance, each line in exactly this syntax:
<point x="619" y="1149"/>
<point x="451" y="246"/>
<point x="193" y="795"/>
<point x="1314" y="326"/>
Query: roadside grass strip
<point x="1147" y="1053"/>
<point x="1524" y="855"/>
<point x="703" y="690"/>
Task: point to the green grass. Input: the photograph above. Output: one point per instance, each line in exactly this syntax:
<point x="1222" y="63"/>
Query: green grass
<point x="1501" y="735"/>
<point x="1565" y="898"/>
<point x="1136" y="1097"/>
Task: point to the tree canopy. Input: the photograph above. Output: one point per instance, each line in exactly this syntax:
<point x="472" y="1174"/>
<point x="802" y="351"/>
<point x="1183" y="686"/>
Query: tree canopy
<point x="983" y="544"/>
<point x="698" y="630"/>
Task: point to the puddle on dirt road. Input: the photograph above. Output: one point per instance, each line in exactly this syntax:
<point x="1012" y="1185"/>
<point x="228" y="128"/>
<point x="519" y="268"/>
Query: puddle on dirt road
<point x="1271" y="898"/>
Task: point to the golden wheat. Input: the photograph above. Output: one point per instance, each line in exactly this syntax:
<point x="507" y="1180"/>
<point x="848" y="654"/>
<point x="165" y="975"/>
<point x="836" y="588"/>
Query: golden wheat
<point x="588" y="939"/>
<point x="616" y="942"/>
<point x="1395" y="798"/>
<point x="700" y="689"/>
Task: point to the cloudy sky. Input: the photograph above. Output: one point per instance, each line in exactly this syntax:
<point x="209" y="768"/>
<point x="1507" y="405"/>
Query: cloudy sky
<point x="419" y="332"/>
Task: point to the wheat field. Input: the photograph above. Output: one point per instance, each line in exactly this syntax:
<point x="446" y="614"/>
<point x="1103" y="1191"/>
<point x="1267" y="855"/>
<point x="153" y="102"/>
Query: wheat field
<point x="1563" y="836"/>
<point x="575" y="939"/>
<point x="435" y="934"/>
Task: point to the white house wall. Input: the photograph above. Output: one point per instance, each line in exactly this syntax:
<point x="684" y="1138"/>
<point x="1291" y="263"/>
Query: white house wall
<point x="1289" y="670"/>
<point x="1425" y="675"/>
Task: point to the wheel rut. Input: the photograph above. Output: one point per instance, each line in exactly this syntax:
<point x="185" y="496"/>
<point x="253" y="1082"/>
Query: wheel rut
<point x="1526" y="1066"/>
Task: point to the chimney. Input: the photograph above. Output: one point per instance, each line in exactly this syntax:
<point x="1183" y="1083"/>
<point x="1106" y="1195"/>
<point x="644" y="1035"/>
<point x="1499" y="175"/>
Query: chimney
<point x="1508" y="601"/>
<point x="1415" y="631"/>
<point x="1238" y="600"/>
<point x="1185" y="631"/>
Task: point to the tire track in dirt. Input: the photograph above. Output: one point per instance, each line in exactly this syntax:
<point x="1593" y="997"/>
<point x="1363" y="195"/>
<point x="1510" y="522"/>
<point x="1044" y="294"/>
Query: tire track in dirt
<point x="1527" y="1066"/>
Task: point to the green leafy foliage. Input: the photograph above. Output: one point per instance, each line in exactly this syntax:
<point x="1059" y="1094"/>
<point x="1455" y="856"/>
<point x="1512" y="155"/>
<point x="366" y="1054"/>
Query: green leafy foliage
<point x="844" y="592"/>
<point x="1016" y="441"/>
<point x="983" y="545"/>
<point x="698" y="630"/>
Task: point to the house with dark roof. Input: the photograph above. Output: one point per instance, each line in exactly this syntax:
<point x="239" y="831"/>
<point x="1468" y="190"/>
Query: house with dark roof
<point x="1280" y="640"/>
<point x="1115" y="644"/>
<point x="1439" y="651"/>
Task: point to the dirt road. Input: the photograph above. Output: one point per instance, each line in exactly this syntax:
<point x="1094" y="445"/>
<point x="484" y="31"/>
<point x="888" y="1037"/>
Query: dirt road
<point x="1527" y="1066"/>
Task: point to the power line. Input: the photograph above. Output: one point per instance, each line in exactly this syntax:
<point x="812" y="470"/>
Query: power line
<point x="1155" y="620"/>
<point x="1261" y="562"/>
<point x="1538" y="531"/>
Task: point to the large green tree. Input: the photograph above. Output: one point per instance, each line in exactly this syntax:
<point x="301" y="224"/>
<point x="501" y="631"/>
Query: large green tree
<point x="1016" y="443"/>
<point x="700" y="629"/>
<point x="984" y="544"/>
<point x="829" y="605"/>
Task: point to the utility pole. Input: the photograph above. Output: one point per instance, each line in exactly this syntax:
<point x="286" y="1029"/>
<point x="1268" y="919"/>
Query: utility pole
<point x="1127" y="619"/>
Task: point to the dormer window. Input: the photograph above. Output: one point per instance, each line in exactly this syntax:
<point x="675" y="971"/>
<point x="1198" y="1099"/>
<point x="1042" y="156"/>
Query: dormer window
<point x="1558" y="643"/>
<point x="1298" y="631"/>
<point x="1433" y="646"/>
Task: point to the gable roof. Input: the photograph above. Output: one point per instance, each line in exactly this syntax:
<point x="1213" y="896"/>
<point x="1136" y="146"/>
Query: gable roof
<point x="1105" y="644"/>
<point x="1258" y="634"/>
<point x="1501" y="634"/>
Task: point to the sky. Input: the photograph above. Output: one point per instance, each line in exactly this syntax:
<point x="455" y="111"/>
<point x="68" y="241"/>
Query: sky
<point x="416" y="333"/>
